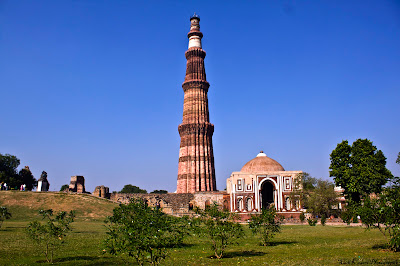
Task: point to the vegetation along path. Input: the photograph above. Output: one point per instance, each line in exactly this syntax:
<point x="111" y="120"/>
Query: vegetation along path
<point x="297" y="244"/>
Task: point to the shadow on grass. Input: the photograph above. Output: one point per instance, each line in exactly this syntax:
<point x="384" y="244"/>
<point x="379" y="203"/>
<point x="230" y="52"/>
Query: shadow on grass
<point x="277" y="243"/>
<point x="89" y="260"/>
<point x="384" y="246"/>
<point x="245" y="253"/>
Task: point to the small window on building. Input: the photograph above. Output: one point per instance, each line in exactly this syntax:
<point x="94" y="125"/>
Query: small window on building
<point x="190" y="206"/>
<point x="239" y="184"/>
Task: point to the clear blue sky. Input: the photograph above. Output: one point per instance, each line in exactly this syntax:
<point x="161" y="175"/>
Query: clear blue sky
<point x="93" y="88"/>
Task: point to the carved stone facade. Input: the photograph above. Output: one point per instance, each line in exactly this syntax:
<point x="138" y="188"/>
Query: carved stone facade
<point x="77" y="184"/>
<point x="261" y="182"/>
<point x="196" y="158"/>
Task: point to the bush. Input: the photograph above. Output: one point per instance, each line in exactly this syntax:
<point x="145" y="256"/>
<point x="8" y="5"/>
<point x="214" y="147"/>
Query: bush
<point x="64" y="187"/>
<point x="323" y="219"/>
<point x="4" y="215"/>
<point x="302" y="217"/>
<point x="312" y="222"/>
<point x="50" y="236"/>
<point x="144" y="233"/>
<point x="221" y="229"/>
<point x="383" y="213"/>
<point x="266" y="224"/>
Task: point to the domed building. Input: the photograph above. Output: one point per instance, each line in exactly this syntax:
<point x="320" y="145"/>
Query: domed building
<point x="261" y="182"/>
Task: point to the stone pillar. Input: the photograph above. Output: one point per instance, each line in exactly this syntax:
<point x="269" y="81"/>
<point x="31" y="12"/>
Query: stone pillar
<point x="196" y="159"/>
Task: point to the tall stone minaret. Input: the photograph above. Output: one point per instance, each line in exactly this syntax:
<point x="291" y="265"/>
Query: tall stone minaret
<point x="196" y="158"/>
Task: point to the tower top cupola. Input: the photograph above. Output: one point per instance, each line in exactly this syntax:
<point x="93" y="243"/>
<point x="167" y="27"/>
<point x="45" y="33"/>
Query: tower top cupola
<point x="195" y="34"/>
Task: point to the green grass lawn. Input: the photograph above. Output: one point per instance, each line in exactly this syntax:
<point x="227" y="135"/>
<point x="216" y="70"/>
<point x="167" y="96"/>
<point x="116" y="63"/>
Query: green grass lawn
<point x="297" y="244"/>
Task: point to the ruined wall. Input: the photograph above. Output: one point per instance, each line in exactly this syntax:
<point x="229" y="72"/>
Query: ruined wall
<point x="102" y="192"/>
<point x="177" y="204"/>
<point x="77" y="184"/>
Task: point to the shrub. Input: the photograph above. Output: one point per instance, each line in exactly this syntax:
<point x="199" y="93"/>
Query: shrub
<point x="219" y="226"/>
<point x="302" y="217"/>
<point x="50" y="235"/>
<point x="383" y="213"/>
<point x="323" y="219"/>
<point x="4" y="215"/>
<point x="312" y="222"/>
<point x="142" y="232"/>
<point x="266" y="224"/>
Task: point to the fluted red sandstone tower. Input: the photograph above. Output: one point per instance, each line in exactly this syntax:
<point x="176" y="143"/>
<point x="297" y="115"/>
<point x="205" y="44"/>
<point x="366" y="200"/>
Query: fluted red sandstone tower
<point x="196" y="158"/>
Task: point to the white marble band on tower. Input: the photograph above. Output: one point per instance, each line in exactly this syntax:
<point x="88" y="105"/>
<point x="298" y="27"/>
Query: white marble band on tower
<point x="194" y="41"/>
<point x="195" y="34"/>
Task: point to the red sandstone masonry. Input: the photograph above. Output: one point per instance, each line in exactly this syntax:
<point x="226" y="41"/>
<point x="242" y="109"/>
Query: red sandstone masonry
<point x="196" y="158"/>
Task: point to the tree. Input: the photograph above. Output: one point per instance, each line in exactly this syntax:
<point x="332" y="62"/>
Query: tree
<point x="64" y="187"/>
<point x="220" y="228"/>
<point x="266" y="224"/>
<point x="383" y="212"/>
<point x="323" y="199"/>
<point x="50" y="235"/>
<point x="316" y="195"/>
<point x="144" y="233"/>
<point x="132" y="189"/>
<point x="159" y="192"/>
<point x="8" y="170"/>
<point x="360" y="169"/>
<point x="27" y="178"/>
<point x="9" y="173"/>
<point x="4" y="215"/>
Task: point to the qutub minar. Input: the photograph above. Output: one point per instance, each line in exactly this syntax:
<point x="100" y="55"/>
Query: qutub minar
<point x="196" y="170"/>
<point x="260" y="183"/>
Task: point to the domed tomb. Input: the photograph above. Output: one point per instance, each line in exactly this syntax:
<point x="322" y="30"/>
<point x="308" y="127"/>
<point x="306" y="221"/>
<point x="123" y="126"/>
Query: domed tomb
<point x="262" y="163"/>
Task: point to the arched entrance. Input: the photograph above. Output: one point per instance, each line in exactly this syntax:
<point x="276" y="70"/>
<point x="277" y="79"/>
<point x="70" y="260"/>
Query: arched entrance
<point x="267" y="194"/>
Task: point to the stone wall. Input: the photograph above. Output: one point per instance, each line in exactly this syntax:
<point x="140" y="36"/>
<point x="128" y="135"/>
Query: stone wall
<point x="177" y="204"/>
<point x="102" y="192"/>
<point x="77" y="184"/>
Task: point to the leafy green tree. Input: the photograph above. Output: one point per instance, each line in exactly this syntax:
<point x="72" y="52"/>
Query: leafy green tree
<point x="50" y="235"/>
<point x="144" y="233"/>
<point x="4" y="215"/>
<point x="8" y="170"/>
<point x="64" y="187"/>
<point x="323" y="199"/>
<point x="159" y="192"/>
<point x="219" y="226"/>
<point x="383" y="212"/>
<point x="132" y="189"/>
<point x="266" y="224"/>
<point x="26" y="177"/>
<point x="316" y="195"/>
<point x="9" y="173"/>
<point x="360" y="169"/>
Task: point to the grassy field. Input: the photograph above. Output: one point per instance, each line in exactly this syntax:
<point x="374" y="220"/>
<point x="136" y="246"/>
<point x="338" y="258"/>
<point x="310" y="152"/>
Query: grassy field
<point x="296" y="245"/>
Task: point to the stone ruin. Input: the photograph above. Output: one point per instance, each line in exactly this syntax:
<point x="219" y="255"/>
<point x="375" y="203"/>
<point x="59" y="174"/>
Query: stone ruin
<point x="177" y="204"/>
<point x="43" y="183"/>
<point x="102" y="192"/>
<point x="77" y="184"/>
